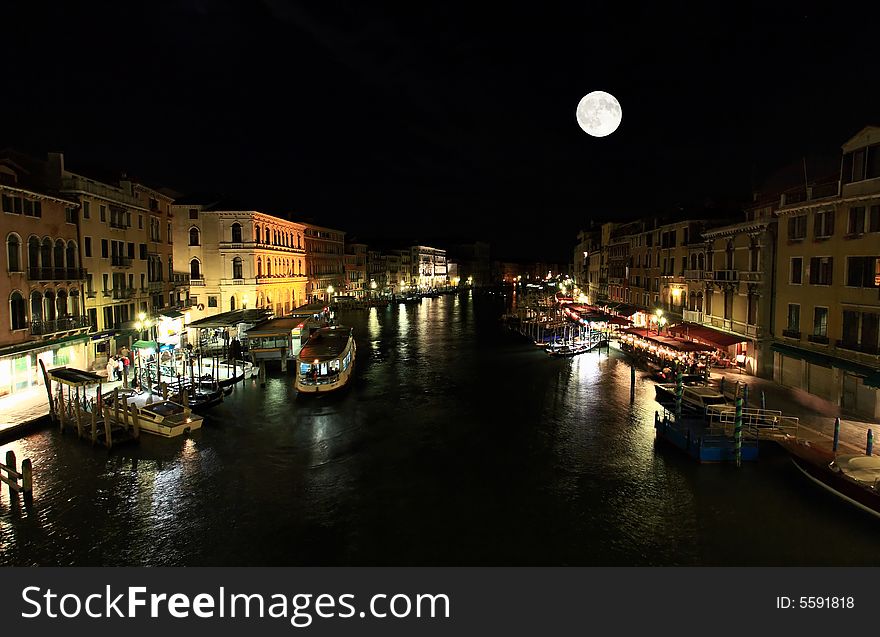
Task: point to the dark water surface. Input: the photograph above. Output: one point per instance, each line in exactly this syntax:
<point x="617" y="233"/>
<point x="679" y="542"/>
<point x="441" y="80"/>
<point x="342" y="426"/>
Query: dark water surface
<point x="455" y="444"/>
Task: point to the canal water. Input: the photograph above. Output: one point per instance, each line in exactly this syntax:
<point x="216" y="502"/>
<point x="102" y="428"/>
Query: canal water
<point x="456" y="444"/>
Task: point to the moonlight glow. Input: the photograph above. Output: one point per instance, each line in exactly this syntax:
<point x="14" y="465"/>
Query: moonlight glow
<point x="599" y="113"/>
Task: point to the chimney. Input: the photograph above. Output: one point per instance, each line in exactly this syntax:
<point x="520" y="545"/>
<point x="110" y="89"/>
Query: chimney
<point x="54" y="170"/>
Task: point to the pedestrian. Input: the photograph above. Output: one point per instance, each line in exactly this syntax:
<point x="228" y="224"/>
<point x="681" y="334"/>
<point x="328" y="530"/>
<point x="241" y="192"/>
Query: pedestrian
<point x="111" y="369"/>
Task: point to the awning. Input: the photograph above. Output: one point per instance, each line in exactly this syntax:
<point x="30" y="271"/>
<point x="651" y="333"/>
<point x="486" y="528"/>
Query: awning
<point x="707" y="334"/>
<point x="172" y="314"/>
<point x="232" y="318"/>
<point x="870" y="374"/>
<point x="626" y="310"/>
<point x="145" y="345"/>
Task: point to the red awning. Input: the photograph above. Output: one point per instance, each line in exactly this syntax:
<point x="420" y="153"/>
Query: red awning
<point x="706" y="334"/>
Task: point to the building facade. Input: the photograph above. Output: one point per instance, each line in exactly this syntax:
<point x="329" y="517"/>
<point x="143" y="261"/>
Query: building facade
<point x="428" y="267"/>
<point x="325" y="252"/>
<point x="239" y="259"/>
<point x="827" y="277"/>
<point x="357" y="277"/>
<point x="43" y="289"/>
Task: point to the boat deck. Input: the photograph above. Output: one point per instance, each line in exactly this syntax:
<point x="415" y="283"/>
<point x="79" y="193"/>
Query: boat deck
<point x="325" y="344"/>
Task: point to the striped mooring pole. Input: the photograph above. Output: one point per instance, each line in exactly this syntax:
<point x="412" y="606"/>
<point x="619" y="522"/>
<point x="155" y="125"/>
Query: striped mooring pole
<point x="738" y="430"/>
<point x="836" y="442"/>
<point x="869" y="449"/>
<point x="679" y="389"/>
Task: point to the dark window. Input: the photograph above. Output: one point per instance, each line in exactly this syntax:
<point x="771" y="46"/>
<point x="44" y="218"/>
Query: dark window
<point x="143" y="247"/>
<point x="195" y="271"/>
<point x="856" y="223"/>
<point x="131" y="251"/>
<point x="873" y="165"/>
<point x="820" y="321"/>
<point x="861" y="272"/>
<point x="824" y="224"/>
<point x="103" y="213"/>
<point x="105" y="249"/>
<point x="194" y="214"/>
<point x="88" y="246"/>
<point x="821" y="270"/>
<point x="236" y="268"/>
<point x="194" y="236"/>
<point x="858" y="165"/>
<point x="87" y="209"/>
<point x="874" y="218"/>
<point x="850" y="328"/>
<point x="8" y="206"/>
<point x="13" y="253"/>
<point x="797" y="268"/>
<point x="797" y="228"/>
<point x="69" y="215"/>
<point x="236" y="233"/>
<point x="212" y="301"/>
<point x="18" y="311"/>
<point x="870" y="329"/>
<point x="794" y="317"/>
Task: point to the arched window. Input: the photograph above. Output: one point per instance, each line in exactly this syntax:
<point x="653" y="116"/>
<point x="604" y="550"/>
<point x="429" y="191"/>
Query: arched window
<point x="701" y="261"/>
<point x="33" y="254"/>
<point x="36" y="307"/>
<point x="61" y="303"/>
<point x="195" y="269"/>
<point x="71" y="256"/>
<point x="268" y="267"/>
<point x="73" y="302"/>
<point x="693" y="301"/>
<point x="730" y="255"/>
<point x="49" y="306"/>
<point x="236" y="233"/>
<point x="753" y="255"/>
<point x="17" y="311"/>
<point x="236" y="268"/>
<point x="46" y="253"/>
<point x="300" y="267"/>
<point x="693" y="262"/>
<point x="257" y="234"/>
<point x="699" y="301"/>
<point x="13" y="253"/>
<point x="259" y="269"/>
<point x="59" y="254"/>
<point x="231" y="303"/>
<point x="194" y="236"/>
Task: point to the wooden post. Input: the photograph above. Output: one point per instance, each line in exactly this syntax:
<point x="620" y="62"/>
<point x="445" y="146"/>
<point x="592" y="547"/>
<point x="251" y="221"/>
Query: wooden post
<point x="108" y="437"/>
<point x="164" y="391"/>
<point x="284" y="359"/>
<point x="48" y="383"/>
<point x="61" y="408"/>
<point x="96" y="407"/>
<point x="77" y="405"/>
<point x="10" y="465"/>
<point x="836" y="441"/>
<point x="116" y="406"/>
<point x="262" y="372"/>
<point x="27" y="478"/>
<point x="135" y="423"/>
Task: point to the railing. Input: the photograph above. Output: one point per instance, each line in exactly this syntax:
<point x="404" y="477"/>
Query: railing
<point x="200" y="282"/>
<point x="240" y="281"/>
<point x="752" y="277"/>
<point x="763" y="423"/>
<point x="120" y="261"/>
<point x="18" y="482"/>
<point x="123" y="293"/>
<point x="119" y="225"/>
<point x="817" y="338"/>
<point x="56" y="274"/>
<point x="40" y="328"/>
<point x="791" y="334"/>
<point x="157" y="286"/>
<point x="102" y="190"/>
<point x="692" y="316"/>
<point x="695" y="275"/>
<point x="726" y="275"/>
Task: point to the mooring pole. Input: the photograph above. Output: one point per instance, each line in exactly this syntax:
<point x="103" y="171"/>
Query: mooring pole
<point x="737" y="431"/>
<point x="869" y="449"/>
<point x="836" y="442"/>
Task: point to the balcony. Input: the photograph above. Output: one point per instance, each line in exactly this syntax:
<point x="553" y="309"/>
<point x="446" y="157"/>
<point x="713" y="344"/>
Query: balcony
<point x="791" y="334"/>
<point x="56" y="274"/>
<point x="751" y="277"/>
<point x="694" y="275"/>
<point x="68" y="324"/>
<point x="81" y="184"/>
<point x="123" y="293"/>
<point x="119" y="225"/>
<point x="692" y="316"/>
<point x="237" y="281"/>
<point x="157" y="286"/>
<point x="181" y="280"/>
<point x="726" y="275"/>
<point x="196" y="282"/>
<point x="118" y="261"/>
<point x="818" y="338"/>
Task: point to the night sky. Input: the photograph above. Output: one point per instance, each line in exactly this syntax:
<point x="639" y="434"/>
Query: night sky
<point x="441" y="123"/>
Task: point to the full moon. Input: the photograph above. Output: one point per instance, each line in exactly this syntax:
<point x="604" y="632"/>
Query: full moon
<point x="599" y="113"/>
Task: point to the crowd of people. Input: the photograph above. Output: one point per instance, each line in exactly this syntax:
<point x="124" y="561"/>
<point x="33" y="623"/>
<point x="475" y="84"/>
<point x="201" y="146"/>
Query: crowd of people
<point x="118" y="365"/>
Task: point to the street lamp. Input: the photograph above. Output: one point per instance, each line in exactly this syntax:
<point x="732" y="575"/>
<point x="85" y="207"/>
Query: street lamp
<point x="329" y="293"/>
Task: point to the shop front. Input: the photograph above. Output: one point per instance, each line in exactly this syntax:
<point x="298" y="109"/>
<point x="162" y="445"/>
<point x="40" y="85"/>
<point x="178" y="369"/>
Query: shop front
<point x="20" y="367"/>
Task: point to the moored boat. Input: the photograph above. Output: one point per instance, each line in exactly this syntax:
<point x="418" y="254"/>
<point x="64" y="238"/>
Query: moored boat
<point x="326" y="361"/>
<point x="851" y="477"/>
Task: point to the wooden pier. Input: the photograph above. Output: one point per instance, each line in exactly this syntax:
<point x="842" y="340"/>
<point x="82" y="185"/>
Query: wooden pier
<point x="18" y="482"/>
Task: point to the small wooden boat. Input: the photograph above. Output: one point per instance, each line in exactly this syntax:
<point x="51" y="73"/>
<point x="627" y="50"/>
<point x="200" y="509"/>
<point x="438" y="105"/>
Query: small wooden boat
<point x="853" y="478"/>
<point x="164" y="418"/>
<point x="568" y="350"/>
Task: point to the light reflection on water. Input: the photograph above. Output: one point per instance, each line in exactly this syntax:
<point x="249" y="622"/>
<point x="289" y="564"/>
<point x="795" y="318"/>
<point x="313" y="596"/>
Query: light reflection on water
<point x="455" y="444"/>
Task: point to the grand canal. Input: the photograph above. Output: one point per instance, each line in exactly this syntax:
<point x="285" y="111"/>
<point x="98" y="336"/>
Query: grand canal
<point x="456" y="444"/>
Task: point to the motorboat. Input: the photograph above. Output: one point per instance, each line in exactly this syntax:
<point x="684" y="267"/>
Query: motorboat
<point x="693" y="397"/>
<point x="854" y="478"/>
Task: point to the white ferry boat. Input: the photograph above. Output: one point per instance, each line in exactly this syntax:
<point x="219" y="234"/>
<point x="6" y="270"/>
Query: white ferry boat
<point x="326" y="361"/>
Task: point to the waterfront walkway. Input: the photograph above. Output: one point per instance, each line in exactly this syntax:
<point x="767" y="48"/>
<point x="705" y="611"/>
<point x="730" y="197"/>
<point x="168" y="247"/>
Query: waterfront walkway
<point x="815" y="415"/>
<point x="20" y="410"/>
